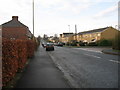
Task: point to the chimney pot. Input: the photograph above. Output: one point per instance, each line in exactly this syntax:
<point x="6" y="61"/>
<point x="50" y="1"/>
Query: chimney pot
<point x="15" y="18"/>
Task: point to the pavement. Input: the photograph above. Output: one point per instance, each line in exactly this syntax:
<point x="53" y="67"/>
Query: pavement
<point x="106" y="50"/>
<point x="110" y="51"/>
<point x="41" y="72"/>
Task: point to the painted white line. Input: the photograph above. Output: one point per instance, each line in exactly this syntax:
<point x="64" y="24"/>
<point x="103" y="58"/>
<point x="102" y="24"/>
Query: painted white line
<point x="114" y="61"/>
<point x="89" y="50"/>
<point x="92" y="55"/>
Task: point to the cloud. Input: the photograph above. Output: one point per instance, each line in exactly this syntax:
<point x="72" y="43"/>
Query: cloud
<point x="106" y="12"/>
<point x="53" y="16"/>
<point x="69" y="6"/>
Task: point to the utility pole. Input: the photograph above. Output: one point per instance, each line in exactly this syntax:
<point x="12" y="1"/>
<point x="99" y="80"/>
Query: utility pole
<point x="33" y="18"/>
<point x="75" y="32"/>
<point x="69" y="35"/>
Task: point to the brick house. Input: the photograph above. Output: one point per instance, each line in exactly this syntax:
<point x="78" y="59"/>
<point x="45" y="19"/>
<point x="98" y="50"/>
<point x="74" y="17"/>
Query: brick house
<point x="14" y="29"/>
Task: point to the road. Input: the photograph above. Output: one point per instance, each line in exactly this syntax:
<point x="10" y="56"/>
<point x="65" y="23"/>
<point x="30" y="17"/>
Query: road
<point x="87" y="68"/>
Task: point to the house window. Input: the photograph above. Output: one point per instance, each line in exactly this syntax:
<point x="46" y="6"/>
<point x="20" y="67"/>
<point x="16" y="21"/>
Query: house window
<point x="93" y="40"/>
<point x="90" y="35"/>
<point x="99" y="34"/>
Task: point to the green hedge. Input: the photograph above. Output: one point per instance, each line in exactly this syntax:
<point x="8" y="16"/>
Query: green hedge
<point x="116" y="42"/>
<point x="104" y="42"/>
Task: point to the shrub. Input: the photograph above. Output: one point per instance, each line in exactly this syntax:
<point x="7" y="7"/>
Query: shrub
<point x="67" y="43"/>
<point x="73" y="43"/>
<point x="81" y="43"/>
<point x="105" y="42"/>
<point x="116" y="42"/>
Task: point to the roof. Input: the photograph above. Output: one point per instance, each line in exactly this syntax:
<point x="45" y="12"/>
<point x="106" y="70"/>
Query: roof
<point x="14" y="23"/>
<point x="93" y="31"/>
<point x="67" y="33"/>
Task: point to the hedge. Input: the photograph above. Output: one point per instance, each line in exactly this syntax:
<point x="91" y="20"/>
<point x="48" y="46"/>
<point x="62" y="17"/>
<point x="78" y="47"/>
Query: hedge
<point x="22" y="53"/>
<point x="14" y="57"/>
<point x="104" y="42"/>
<point x="116" y="42"/>
<point x="9" y="60"/>
<point x="30" y="48"/>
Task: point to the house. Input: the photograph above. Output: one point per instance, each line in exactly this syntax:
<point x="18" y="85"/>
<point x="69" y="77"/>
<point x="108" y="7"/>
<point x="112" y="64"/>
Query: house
<point x="66" y="37"/>
<point x="14" y="29"/>
<point x="107" y="33"/>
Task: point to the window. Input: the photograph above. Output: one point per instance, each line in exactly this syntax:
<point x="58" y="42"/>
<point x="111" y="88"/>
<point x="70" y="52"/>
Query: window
<point x="98" y="34"/>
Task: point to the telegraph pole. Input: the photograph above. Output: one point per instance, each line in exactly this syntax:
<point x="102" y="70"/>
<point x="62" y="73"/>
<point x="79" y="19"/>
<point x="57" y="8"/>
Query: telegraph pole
<point x="33" y="18"/>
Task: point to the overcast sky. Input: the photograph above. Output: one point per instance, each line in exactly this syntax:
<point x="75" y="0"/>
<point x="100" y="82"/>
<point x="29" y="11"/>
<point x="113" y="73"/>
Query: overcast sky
<point x="54" y="16"/>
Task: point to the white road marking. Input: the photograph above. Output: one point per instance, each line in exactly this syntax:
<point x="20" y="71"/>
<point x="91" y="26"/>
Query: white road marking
<point x="114" y="61"/>
<point x="92" y="55"/>
<point x="88" y="50"/>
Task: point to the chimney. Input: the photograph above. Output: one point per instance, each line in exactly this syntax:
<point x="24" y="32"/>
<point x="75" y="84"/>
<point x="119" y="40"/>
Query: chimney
<point x="15" y="18"/>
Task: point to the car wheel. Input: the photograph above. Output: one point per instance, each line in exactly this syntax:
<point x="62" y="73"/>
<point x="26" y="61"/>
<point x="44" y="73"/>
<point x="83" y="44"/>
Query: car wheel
<point x="53" y="49"/>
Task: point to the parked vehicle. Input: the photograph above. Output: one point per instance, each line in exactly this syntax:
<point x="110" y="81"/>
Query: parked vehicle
<point x="44" y="45"/>
<point x="55" y="44"/>
<point x="49" y="47"/>
<point x="60" y="44"/>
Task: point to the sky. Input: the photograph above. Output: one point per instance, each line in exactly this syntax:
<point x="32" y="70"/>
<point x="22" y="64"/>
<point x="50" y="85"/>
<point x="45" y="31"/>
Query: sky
<point x="54" y="16"/>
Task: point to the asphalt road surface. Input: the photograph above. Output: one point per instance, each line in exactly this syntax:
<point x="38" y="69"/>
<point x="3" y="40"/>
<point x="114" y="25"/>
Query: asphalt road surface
<point x="87" y="69"/>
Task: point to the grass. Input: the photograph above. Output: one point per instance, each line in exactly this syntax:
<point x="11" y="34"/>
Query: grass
<point x="116" y="50"/>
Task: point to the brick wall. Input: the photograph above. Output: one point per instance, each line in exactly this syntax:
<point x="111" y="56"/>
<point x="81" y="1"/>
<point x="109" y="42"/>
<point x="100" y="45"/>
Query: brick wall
<point x="14" y="32"/>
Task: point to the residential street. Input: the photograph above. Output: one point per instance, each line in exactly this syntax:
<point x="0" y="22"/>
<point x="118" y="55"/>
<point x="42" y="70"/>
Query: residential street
<point x="87" y="68"/>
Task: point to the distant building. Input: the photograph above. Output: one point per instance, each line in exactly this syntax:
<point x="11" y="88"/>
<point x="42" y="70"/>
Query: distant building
<point x="14" y="29"/>
<point x="65" y="37"/>
<point x="107" y="33"/>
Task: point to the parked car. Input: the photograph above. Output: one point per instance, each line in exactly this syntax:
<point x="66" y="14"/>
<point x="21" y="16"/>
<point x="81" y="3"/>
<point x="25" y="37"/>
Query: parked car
<point x="60" y="44"/>
<point x="44" y="45"/>
<point x="49" y="47"/>
<point x="55" y="44"/>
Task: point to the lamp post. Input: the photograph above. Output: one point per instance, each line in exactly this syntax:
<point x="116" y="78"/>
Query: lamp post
<point x="75" y="32"/>
<point x="69" y="35"/>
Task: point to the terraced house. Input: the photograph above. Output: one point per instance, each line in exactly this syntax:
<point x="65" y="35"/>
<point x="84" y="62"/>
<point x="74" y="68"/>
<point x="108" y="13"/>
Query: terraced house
<point x="107" y="33"/>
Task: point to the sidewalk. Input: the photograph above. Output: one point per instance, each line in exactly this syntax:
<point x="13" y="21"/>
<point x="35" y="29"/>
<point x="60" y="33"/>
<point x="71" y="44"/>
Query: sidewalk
<point x="41" y="72"/>
<point x="106" y="50"/>
<point x="110" y="51"/>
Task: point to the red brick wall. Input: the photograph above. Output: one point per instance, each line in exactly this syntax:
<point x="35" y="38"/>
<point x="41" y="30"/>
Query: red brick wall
<point x="14" y="32"/>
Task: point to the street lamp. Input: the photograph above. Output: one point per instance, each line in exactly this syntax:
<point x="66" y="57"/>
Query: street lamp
<point x="69" y="35"/>
<point x="69" y="28"/>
